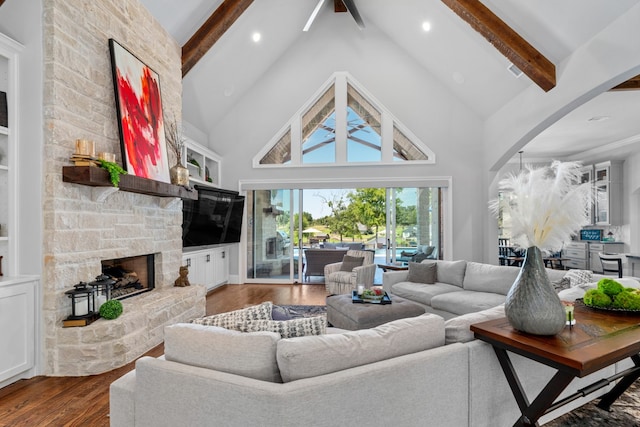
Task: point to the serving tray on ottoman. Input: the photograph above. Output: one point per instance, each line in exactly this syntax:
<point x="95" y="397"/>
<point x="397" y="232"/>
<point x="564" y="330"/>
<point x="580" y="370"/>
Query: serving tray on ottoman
<point x="355" y="298"/>
<point x="343" y="313"/>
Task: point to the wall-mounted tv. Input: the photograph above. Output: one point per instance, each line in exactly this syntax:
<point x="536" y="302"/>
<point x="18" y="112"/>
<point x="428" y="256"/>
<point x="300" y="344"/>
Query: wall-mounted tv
<point x="215" y="218"/>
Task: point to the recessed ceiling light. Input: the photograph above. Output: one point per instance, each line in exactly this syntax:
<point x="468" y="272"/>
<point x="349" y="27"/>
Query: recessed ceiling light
<point x="256" y="37"/>
<point x="426" y="26"/>
<point x="517" y="72"/>
<point x="598" y="118"/>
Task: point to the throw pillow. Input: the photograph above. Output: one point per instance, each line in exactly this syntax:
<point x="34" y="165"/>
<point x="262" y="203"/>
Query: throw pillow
<point x="250" y="355"/>
<point x="308" y="357"/>
<point x="350" y="262"/>
<point x="286" y="328"/>
<point x="578" y="277"/>
<point x="425" y="272"/>
<point x="230" y="320"/>
<point x="562" y="284"/>
<point x="284" y="313"/>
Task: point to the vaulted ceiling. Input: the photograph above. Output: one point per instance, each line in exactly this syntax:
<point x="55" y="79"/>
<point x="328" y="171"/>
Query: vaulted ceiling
<point x="221" y="62"/>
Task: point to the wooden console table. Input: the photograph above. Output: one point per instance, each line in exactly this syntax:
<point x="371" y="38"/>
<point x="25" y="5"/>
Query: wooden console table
<point x="599" y="339"/>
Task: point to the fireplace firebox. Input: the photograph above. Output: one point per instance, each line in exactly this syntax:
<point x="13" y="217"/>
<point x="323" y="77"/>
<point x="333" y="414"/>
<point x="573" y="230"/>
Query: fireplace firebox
<point x="132" y="275"/>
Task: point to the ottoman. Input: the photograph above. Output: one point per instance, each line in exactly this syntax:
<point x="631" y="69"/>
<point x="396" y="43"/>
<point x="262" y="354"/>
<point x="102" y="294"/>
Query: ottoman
<point x="343" y="313"/>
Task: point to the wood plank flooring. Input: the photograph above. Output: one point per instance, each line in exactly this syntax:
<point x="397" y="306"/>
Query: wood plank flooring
<point x="84" y="401"/>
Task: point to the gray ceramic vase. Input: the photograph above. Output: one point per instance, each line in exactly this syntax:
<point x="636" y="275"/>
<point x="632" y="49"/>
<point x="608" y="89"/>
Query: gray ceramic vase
<point x="532" y="304"/>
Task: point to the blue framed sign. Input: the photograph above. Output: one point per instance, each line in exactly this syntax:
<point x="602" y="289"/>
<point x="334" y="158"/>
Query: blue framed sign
<point x="591" y="234"/>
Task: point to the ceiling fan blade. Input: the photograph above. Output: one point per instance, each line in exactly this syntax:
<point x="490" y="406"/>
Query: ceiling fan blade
<point x="313" y="15"/>
<point x="353" y="10"/>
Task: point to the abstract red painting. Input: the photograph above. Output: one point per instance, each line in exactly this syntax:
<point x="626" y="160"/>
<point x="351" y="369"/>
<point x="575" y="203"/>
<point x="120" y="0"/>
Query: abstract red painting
<point x="140" y="120"/>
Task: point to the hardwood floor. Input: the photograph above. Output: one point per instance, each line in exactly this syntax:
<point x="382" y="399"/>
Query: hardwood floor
<point x="84" y="401"/>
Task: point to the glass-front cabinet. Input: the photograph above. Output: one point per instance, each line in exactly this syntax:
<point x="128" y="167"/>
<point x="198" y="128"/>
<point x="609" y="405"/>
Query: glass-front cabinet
<point x="608" y="193"/>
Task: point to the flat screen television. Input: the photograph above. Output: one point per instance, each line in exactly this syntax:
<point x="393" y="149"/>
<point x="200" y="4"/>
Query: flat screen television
<point x="215" y="218"/>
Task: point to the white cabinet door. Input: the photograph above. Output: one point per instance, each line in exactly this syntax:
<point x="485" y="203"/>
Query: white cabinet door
<point x="201" y="267"/>
<point x="17" y="335"/>
<point x="221" y="266"/>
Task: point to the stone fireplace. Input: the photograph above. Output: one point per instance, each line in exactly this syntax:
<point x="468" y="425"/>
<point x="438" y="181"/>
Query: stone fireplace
<point x="83" y="225"/>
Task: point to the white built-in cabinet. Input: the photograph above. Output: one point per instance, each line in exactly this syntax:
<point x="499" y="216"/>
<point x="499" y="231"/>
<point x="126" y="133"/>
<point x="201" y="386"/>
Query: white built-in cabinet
<point x="18" y="294"/>
<point x="608" y="193"/>
<point x="18" y="328"/>
<point x="203" y="164"/>
<point x="208" y="267"/>
<point x="9" y="55"/>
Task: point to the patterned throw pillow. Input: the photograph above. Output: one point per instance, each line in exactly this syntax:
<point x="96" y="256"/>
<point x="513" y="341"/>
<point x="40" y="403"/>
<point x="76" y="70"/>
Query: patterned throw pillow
<point x="578" y="277"/>
<point x="286" y="328"/>
<point x="562" y="284"/>
<point x="231" y="319"/>
<point x="350" y="262"/>
<point x="425" y="272"/>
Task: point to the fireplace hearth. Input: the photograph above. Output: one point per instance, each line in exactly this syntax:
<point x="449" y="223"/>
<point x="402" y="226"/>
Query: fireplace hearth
<point x="132" y="275"/>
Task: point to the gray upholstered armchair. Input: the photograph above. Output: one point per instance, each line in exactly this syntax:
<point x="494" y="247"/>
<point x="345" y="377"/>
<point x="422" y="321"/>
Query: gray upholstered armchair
<point x="338" y="281"/>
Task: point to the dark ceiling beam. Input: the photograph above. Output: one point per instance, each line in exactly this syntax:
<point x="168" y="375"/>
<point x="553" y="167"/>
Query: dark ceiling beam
<point x="1" y="1"/>
<point x="524" y="56"/>
<point x="211" y="31"/>
<point x="338" y="6"/>
<point x="632" y="84"/>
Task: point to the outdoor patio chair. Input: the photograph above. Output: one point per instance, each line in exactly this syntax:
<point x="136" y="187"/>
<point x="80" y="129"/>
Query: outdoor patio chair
<point x="343" y="282"/>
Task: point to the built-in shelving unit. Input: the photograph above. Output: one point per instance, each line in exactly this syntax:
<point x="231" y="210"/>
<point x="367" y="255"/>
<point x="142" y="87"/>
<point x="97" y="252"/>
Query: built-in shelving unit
<point x="203" y="164"/>
<point x="97" y="177"/>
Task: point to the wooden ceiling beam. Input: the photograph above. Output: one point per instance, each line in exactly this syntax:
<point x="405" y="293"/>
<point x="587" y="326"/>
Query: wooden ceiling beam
<point x="1" y="1"/>
<point x="211" y="31"/>
<point x="524" y="56"/>
<point x="632" y="84"/>
<point x="338" y="6"/>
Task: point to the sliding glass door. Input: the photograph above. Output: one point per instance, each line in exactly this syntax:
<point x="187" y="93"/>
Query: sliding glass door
<point x="413" y="224"/>
<point x="398" y="224"/>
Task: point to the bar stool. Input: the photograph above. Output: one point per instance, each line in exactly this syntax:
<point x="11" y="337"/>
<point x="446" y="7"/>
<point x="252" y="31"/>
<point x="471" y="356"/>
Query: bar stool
<point x="611" y="263"/>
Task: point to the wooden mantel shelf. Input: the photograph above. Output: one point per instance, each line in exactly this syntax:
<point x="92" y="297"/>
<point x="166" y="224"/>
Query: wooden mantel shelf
<point x="98" y="177"/>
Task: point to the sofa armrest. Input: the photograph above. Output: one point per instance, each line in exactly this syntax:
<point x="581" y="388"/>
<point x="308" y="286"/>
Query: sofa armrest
<point x="390" y="278"/>
<point x="122" y="393"/>
<point x="365" y="274"/>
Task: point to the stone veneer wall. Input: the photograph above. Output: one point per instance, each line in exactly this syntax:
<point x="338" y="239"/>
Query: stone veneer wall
<point x="79" y="230"/>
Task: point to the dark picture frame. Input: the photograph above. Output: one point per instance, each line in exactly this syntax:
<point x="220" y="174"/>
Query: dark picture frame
<point x="140" y="118"/>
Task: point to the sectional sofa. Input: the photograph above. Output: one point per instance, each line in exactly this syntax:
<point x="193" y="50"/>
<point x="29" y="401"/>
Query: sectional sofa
<point x="420" y="371"/>
<point x="453" y="288"/>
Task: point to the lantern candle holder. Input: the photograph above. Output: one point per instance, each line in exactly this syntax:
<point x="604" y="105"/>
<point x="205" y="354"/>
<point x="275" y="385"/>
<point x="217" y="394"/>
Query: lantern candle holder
<point x="83" y="303"/>
<point x="102" y="285"/>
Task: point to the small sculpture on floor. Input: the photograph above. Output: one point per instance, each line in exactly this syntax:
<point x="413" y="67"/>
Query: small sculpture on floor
<point x="183" y="280"/>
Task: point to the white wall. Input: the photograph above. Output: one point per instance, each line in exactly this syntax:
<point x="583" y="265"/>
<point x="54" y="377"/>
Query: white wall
<point x="414" y="96"/>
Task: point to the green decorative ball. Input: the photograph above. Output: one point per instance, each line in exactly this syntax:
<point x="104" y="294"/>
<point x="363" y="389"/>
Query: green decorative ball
<point x="111" y="309"/>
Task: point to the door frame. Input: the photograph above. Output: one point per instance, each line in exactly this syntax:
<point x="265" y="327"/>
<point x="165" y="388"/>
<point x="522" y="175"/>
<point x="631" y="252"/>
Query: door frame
<point x="445" y="183"/>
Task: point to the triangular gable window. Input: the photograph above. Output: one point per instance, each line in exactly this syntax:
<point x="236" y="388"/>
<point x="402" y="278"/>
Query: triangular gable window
<point x="343" y="125"/>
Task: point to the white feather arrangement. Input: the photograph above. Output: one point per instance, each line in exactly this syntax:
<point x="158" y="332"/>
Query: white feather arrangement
<point x="547" y="205"/>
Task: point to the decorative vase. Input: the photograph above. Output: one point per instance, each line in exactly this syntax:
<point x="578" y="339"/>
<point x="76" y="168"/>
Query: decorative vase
<point x="532" y="304"/>
<point x="179" y="175"/>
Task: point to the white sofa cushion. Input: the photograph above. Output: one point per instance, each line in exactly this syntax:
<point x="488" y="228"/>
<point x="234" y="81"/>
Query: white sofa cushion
<point x="422" y="293"/>
<point x="489" y="278"/>
<point x="307" y="357"/>
<point x="230" y="319"/>
<point x="457" y="329"/>
<point x="466" y="301"/>
<point x="251" y="355"/>
<point x="451" y="272"/>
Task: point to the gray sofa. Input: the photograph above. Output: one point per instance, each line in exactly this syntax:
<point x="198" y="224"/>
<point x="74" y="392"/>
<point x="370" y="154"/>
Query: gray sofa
<point x="461" y="287"/>
<point x="401" y="373"/>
